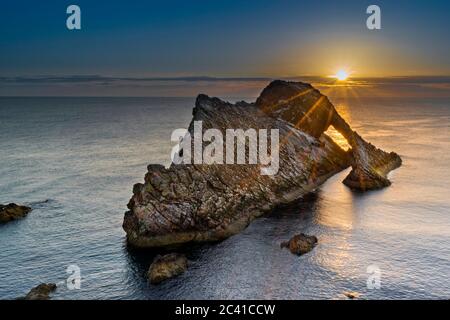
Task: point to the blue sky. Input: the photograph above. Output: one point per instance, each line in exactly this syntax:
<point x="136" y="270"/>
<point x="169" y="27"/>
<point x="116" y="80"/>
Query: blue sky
<point x="223" y="38"/>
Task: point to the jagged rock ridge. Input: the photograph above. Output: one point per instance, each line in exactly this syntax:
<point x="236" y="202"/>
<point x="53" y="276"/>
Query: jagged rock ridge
<point x="310" y="111"/>
<point x="194" y="203"/>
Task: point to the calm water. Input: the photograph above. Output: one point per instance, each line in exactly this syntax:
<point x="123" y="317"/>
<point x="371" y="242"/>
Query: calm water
<point x="74" y="160"/>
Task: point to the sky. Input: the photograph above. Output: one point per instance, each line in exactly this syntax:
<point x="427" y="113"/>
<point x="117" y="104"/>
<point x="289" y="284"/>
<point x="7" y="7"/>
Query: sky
<point x="127" y="47"/>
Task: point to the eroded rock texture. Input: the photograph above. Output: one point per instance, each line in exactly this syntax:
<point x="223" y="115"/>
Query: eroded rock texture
<point x="310" y="111"/>
<point x="41" y="292"/>
<point x="166" y="267"/>
<point x="194" y="203"/>
<point x="300" y="244"/>
<point x="12" y="212"/>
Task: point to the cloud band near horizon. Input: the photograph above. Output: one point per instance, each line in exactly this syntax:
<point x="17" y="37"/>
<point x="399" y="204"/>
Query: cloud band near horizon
<point x="98" y="85"/>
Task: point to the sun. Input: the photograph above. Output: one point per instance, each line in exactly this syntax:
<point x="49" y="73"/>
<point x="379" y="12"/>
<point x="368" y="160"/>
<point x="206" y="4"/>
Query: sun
<point x="341" y="75"/>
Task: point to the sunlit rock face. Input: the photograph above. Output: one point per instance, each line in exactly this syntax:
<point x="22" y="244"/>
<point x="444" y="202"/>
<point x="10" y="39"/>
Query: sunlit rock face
<point x="200" y="202"/>
<point x="310" y="111"/>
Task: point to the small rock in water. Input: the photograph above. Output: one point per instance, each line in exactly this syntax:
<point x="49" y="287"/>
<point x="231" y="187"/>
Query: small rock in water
<point x="167" y="266"/>
<point x="300" y="244"/>
<point x="351" y="294"/>
<point x="12" y="212"/>
<point x="41" y="292"/>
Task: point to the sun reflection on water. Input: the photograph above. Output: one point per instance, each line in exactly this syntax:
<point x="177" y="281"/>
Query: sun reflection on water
<point x="337" y="213"/>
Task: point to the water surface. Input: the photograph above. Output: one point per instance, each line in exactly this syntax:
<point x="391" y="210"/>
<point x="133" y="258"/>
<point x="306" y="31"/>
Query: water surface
<point x="75" y="160"/>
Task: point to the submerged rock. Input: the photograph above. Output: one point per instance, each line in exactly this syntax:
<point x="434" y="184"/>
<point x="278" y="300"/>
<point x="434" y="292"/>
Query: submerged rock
<point x="12" y="212"/>
<point x="351" y="294"/>
<point x="167" y="266"/>
<point x="200" y="202"/>
<point x="41" y="292"/>
<point x="300" y="244"/>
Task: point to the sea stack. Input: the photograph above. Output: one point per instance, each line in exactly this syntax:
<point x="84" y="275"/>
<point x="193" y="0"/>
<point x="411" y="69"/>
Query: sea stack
<point x="308" y="110"/>
<point x="210" y="202"/>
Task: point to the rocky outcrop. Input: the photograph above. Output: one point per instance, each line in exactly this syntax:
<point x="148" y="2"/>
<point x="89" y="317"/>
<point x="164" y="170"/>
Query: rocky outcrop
<point x="300" y="244"/>
<point x="310" y="111"/>
<point x="12" y="212"/>
<point x="41" y="292"/>
<point x="201" y="202"/>
<point x="352" y="294"/>
<point x="167" y="266"/>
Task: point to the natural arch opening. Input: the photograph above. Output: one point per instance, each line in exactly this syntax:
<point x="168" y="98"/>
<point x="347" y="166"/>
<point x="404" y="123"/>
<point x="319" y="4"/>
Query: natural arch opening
<point x="338" y="138"/>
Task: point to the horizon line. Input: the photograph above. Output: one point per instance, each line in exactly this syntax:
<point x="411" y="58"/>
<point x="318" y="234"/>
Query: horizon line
<point x="98" y="77"/>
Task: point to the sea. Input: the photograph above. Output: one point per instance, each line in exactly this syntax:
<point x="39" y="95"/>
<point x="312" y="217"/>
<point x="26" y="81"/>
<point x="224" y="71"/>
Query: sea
<point x="75" y="160"/>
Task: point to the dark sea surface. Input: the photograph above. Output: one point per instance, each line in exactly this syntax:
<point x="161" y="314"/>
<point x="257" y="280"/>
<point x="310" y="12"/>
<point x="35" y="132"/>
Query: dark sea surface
<point x="75" y="160"/>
